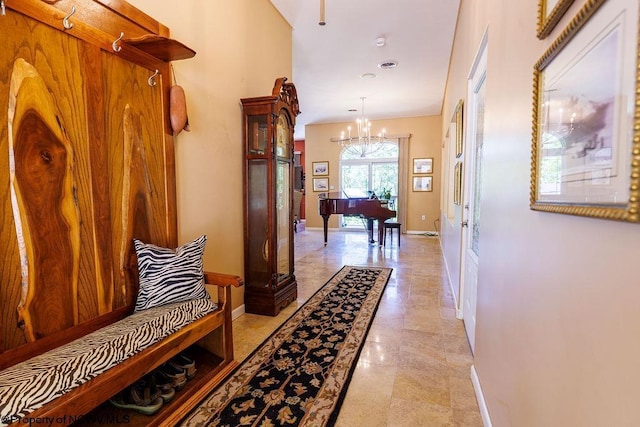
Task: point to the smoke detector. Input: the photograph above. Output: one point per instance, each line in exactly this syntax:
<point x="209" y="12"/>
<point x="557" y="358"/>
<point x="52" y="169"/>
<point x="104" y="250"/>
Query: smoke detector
<point x="380" y="41"/>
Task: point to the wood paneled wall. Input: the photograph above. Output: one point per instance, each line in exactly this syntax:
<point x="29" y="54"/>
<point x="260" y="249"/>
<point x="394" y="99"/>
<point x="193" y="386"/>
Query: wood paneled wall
<point x="86" y="165"/>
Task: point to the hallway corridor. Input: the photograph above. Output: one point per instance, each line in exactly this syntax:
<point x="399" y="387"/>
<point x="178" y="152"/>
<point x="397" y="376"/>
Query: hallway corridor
<point x="414" y="369"/>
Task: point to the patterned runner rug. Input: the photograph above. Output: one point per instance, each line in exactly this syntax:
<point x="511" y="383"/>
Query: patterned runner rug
<point x="299" y="375"/>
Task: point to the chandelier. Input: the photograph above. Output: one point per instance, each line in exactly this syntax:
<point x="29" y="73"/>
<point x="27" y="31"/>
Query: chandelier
<point x="363" y="143"/>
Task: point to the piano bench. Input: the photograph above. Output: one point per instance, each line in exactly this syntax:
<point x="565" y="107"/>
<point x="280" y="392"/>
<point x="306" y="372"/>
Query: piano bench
<point x="390" y="224"/>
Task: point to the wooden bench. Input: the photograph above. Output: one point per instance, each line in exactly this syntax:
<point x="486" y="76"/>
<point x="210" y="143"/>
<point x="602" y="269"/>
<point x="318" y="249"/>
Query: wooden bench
<point x="214" y="360"/>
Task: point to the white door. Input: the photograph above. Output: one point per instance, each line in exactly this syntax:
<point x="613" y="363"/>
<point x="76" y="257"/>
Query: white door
<point x="472" y="192"/>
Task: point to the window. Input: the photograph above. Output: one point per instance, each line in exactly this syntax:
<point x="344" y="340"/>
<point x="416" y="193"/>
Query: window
<point x="365" y="169"/>
<point x="551" y="164"/>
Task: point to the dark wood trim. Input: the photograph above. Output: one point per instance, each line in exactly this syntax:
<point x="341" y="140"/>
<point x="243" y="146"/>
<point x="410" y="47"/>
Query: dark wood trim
<point x="135" y="15"/>
<point x="160" y="47"/>
<point x="89" y="32"/>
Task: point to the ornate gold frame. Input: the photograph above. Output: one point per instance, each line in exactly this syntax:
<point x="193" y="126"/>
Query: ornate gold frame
<point x="546" y="23"/>
<point x="631" y="212"/>
<point x="457" y="117"/>
<point x="418" y="171"/>
<point x="320" y="185"/>
<point x="457" y="183"/>
<point x="419" y="179"/>
<point x="315" y="164"/>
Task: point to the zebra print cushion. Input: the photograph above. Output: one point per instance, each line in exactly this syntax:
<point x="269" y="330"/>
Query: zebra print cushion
<point x="30" y="385"/>
<point x="168" y="276"/>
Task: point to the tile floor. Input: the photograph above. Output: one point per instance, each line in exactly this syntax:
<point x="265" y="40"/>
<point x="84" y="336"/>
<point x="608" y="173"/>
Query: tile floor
<point x="415" y="365"/>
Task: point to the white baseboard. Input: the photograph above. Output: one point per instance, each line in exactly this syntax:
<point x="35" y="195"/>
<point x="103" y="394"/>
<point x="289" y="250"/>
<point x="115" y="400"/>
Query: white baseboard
<point x="455" y="300"/>
<point x="427" y="232"/>
<point x="359" y="230"/>
<point x="484" y="412"/>
<point x="237" y="312"/>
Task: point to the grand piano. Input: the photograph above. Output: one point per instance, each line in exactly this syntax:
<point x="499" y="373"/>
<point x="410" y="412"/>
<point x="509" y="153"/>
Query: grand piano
<point x="371" y="209"/>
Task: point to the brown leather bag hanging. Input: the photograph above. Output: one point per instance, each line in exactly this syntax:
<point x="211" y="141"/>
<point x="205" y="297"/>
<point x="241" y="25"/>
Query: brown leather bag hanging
<point x="178" y="108"/>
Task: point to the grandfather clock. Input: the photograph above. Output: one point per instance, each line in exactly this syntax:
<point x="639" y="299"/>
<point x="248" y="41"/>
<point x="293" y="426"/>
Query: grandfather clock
<point x="269" y="121"/>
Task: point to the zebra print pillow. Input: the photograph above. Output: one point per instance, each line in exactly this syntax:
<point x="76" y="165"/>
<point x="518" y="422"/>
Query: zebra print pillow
<point x="168" y="276"/>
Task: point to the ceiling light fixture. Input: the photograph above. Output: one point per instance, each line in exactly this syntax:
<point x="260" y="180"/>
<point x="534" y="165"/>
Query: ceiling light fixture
<point x="363" y="143"/>
<point x="323" y="21"/>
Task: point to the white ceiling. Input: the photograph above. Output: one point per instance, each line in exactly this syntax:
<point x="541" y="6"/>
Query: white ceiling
<point x="328" y="61"/>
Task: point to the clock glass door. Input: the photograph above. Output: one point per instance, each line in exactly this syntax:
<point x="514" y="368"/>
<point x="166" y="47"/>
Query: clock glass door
<point x="283" y="206"/>
<point x="283" y="194"/>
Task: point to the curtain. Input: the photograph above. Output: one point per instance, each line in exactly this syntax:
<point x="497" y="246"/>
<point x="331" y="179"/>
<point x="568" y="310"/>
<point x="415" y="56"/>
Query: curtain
<point x="403" y="179"/>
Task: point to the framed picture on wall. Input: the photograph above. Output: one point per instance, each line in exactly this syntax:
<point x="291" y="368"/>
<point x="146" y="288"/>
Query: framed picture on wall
<point x="320" y="184"/>
<point x="457" y="183"/>
<point x="586" y="117"/>
<point x="422" y="183"/>
<point x="320" y="168"/>
<point x="549" y="13"/>
<point x="457" y="117"/>
<point x="423" y="165"/>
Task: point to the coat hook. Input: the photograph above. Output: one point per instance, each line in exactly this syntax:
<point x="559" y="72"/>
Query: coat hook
<point x="152" y="80"/>
<point x="65" y="21"/>
<point x="115" y="46"/>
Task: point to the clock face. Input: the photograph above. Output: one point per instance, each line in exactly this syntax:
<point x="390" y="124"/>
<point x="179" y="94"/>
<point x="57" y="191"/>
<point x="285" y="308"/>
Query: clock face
<point x="282" y="135"/>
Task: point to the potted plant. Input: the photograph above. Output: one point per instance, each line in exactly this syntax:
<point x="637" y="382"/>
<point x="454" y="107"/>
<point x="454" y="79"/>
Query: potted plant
<point x="386" y="193"/>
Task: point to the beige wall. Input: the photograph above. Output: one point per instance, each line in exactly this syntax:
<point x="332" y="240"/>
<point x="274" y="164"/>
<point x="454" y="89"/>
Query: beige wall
<point x="557" y="309"/>
<point x="425" y="141"/>
<point x="242" y="47"/>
